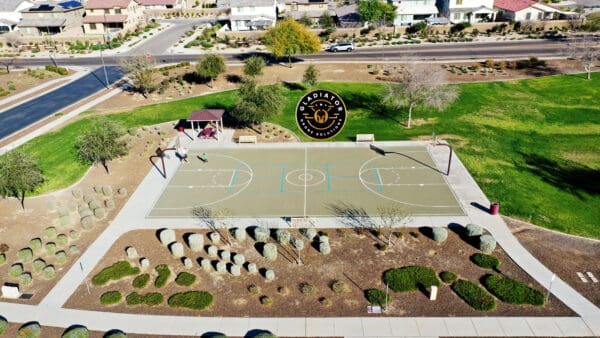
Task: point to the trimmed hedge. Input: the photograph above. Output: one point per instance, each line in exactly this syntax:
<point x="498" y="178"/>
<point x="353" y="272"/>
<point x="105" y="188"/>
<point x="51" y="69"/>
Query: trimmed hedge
<point x="377" y="297"/>
<point x="141" y="281"/>
<point x="110" y="297"/>
<point x="512" y="291"/>
<point x="485" y="261"/>
<point x="448" y="277"/>
<point x="115" y="272"/>
<point x="185" y="279"/>
<point x="150" y="299"/>
<point x="30" y="330"/>
<point x="195" y="300"/>
<point x="163" y="275"/>
<point x="76" y="332"/>
<point x="410" y="278"/>
<point x="474" y="295"/>
<point x="3" y="324"/>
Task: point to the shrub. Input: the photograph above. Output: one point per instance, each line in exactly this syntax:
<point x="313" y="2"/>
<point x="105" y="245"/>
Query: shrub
<point x="439" y="234"/>
<point x="254" y="289"/>
<point x="185" y="279"/>
<point x="131" y="252"/>
<point x="298" y="243"/>
<point x="64" y="220"/>
<point x="324" y="248"/>
<point x="107" y="190"/>
<point x="283" y="236"/>
<point x="29" y="330"/>
<point x="50" y="232"/>
<point x="76" y="332"/>
<point x="512" y="291"/>
<point x="339" y="286"/>
<point x="74" y="234"/>
<point x="38" y="264"/>
<point x="473" y="230"/>
<point x="93" y="204"/>
<point x="141" y="281"/>
<point x="35" y="244"/>
<point x="76" y="193"/>
<point x="2" y="259"/>
<point x="50" y="248"/>
<point x="25" y="279"/>
<point x="283" y="290"/>
<point x="115" y="334"/>
<point x="261" y="234"/>
<point x="87" y="222"/>
<point x="448" y="277"/>
<point x="485" y="261"/>
<point x="25" y="255"/>
<point x="110" y="297"/>
<point x="474" y="295"/>
<point x="150" y="299"/>
<point x="205" y="264"/>
<point x="270" y="251"/>
<point x="62" y="240"/>
<point x="61" y="257"/>
<point x="410" y="278"/>
<point x="115" y="272"/>
<point x="99" y="213"/>
<point x="166" y="236"/>
<point x="377" y="297"/>
<point x="309" y="233"/>
<point x="74" y="250"/>
<point x="109" y="204"/>
<point x="15" y="270"/>
<point x="270" y="275"/>
<point x="308" y="289"/>
<point x="49" y="272"/>
<point x="3" y="324"/>
<point x="196" y="300"/>
<point x="266" y="300"/>
<point x="239" y="234"/>
<point x="487" y="243"/>
<point x="122" y="191"/>
<point x="163" y="275"/>
<point x="196" y="242"/>
<point x="325" y="301"/>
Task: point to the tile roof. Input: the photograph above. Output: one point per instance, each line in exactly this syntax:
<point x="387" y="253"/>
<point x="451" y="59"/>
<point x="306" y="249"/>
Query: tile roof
<point x="206" y="115"/>
<point x="102" y="4"/>
<point x="514" y="5"/>
<point x="105" y="18"/>
<point x="10" y="5"/>
<point x="57" y="22"/>
<point x="158" y="2"/>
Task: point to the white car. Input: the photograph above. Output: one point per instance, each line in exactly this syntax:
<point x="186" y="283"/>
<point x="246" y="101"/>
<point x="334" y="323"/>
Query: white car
<point x="342" y="47"/>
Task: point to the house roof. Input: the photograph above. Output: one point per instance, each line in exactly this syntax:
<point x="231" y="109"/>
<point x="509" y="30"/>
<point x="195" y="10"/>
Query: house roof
<point x="54" y="7"/>
<point x="10" y="5"/>
<point x="158" y="2"/>
<point x="105" y="18"/>
<point x="296" y="15"/>
<point x="206" y="115"/>
<point x="252" y="3"/>
<point x="513" y="5"/>
<point x="42" y="22"/>
<point x="481" y="9"/>
<point x="345" y="10"/>
<point x="103" y="4"/>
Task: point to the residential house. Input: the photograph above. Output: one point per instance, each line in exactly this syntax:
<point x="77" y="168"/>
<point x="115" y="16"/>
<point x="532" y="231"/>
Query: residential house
<point x="347" y="16"/>
<point x="412" y="11"/>
<point x="312" y="9"/>
<point x="471" y="11"/>
<point x="51" y="18"/>
<point x="108" y="17"/>
<point x="10" y="13"/>
<point x="250" y="14"/>
<point x="525" y="10"/>
<point x="163" y="4"/>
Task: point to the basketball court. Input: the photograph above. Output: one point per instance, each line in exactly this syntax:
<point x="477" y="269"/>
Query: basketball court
<point x="308" y="180"/>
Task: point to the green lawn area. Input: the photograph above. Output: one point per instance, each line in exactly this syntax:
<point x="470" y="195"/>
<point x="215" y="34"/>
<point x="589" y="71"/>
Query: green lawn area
<point x="532" y="145"/>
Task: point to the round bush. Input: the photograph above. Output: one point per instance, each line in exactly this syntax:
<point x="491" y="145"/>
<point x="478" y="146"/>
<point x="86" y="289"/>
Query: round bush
<point x="35" y="244"/>
<point x="76" y="193"/>
<point x="3" y="324"/>
<point x="109" y="204"/>
<point x="239" y="234"/>
<point x="214" y="237"/>
<point x="25" y="279"/>
<point x="122" y="191"/>
<point x="212" y="251"/>
<point x="64" y="220"/>
<point x="94" y="204"/>
<point x="25" y="255"/>
<point x="74" y="234"/>
<point x="195" y="300"/>
<point x="50" y="232"/>
<point x="74" y="250"/>
<point x="185" y="279"/>
<point x="283" y="236"/>
<point x="448" y="277"/>
<point x="99" y="213"/>
<point x="87" y="222"/>
<point x="221" y="267"/>
<point x="50" y="249"/>
<point x="62" y="240"/>
<point x="38" y="264"/>
<point x="485" y="261"/>
<point x="115" y="334"/>
<point x="270" y="275"/>
<point x="87" y="197"/>
<point x="30" y="330"/>
<point x="410" y="278"/>
<point x="439" y="234"/>
<point x="266" y="300"/>
<point x="324" y="248"/>
<point x="309" y="233"/>
<point x="49" y="272"/>
<point x="61" y="257"/>
<point x="474" y="295"/>
<point x="261" y="234"/>
<point x="298" y="243"/>
<point x="377" y="297"/>
<point x="473" y="230"/>
<point x="270" y="251"/>
<point x="226" y="255"/>
<point x="141" y="281"/>
<point x="235" y="270"/>
<point x="308" y="289"/>
<point x="107" y="190"/>
<point x="15" y="270"/>
<point x="167" y="236"/>
<point x="339" y="286"/>
<point x="239" y="259"/>
<point x="110" y="297"/>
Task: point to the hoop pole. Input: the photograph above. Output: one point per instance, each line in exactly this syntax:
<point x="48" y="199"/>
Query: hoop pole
<point x="449" y="156"/>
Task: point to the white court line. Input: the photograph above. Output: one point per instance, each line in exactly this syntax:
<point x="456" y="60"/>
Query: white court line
<point x="305" y="173"/>
<point x="592" y="277"/>
<point x="581" y="276"/>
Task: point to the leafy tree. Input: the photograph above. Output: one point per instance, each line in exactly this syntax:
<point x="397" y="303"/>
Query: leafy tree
<point x="326" y="22"/>
<point x="254" y="66"/>
<point x="140" y="70"/>
<point x="311" y="75"/>
<point x="19" y="173"/>
<point x="375" y="11"/>
<point x="419" y="86"/>
<point x="210" y="66"/>
<point x="257" y="103"/>
<point x="289" y="38"/>
<point x="305" y="20"/>
<point x="102" y="142"/>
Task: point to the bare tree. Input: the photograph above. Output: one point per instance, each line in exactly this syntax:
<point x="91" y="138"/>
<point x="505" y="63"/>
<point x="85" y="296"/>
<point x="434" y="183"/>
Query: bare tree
<point x="586" y="50"/>
<point x="140" y="69"/>
<point x="208" y="216"/>
<point x="13" y="39"/>
<point x="7" y="63"/>
<point x="391" y="216"/>
<point x="419" y="86"/>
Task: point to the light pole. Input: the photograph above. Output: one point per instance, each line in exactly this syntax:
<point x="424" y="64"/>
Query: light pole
<point x="104" y="65"/>
<point x="550" y="287"/>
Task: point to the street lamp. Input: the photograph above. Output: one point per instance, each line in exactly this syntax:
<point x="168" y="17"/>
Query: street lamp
<point x="104" y="65"/>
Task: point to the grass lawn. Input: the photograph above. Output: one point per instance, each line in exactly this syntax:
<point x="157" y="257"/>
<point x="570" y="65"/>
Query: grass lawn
<point x="532" y="145"/>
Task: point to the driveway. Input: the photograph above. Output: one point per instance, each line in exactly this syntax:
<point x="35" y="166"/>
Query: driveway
<point x="161" y="42"/>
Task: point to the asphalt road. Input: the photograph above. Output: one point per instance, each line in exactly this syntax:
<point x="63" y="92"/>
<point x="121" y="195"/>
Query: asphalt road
<point x="21" y="116"/>
<point x="160" y="43"/>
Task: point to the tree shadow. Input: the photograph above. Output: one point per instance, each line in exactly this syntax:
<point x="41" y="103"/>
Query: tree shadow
<point x="567" y="175"/>
<point x="194" y="77"/>
<point x="233" y="78"/>
<point x="352" y="216"/>
<point x="294" y="85"/>
<point x="426" y="231"/>
<point x="540" y="71"/>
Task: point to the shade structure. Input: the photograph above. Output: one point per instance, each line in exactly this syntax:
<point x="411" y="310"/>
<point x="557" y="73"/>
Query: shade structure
<point x="214" y="116"/>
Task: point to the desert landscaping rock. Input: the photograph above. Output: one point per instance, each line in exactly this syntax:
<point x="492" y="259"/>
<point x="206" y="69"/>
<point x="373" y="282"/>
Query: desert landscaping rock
<point x="167" y="236"/>
<point x="196" y="242"/>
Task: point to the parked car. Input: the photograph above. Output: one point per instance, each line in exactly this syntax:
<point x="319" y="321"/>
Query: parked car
<point x="342" y="47"/>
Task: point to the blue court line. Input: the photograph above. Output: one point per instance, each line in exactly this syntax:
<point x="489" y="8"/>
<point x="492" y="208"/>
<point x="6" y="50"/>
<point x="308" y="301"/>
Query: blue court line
<point x="233" y="178"/>
<point x="328" y="177"/>
<point x="282" y="187"/>
<point x="376" y="171"/>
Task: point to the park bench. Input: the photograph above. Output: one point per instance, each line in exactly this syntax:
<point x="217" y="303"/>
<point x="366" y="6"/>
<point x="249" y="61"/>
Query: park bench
<point x="247" y="139"/>
<point x="365" y="138"/>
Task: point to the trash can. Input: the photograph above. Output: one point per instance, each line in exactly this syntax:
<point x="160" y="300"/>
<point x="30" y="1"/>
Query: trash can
<point x="180" y="129"/>
<point x="494" y="208"/>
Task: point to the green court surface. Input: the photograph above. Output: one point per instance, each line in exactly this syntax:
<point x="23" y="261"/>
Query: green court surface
<point x="308" y="182"/>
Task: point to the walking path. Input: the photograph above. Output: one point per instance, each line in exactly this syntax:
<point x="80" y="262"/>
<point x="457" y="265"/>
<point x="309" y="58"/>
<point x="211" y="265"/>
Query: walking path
<point x="132" y="216"/>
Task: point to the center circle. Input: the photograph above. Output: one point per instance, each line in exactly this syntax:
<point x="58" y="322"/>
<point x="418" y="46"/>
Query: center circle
<point x="302" y="177"/>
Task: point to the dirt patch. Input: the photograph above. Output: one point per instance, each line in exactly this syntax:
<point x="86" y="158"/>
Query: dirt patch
<point x="18" y="81"/>
<point x="354" y="259"/>
<point x="554" y="250"/>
